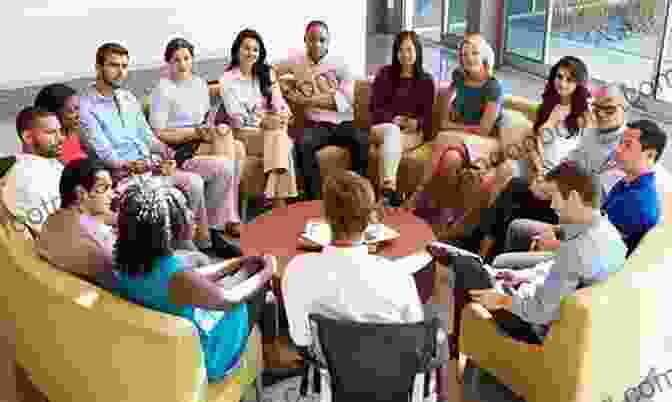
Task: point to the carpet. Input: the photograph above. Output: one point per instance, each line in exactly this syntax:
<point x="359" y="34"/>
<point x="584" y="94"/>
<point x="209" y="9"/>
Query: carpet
<point x="284" y="391"/>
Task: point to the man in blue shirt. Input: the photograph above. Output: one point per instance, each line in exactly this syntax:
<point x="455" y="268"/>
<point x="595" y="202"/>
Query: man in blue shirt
<point x="633" y="204"/>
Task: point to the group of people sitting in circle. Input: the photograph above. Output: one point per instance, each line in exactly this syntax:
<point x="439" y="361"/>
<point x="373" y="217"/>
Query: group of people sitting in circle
<point x="175" y="180"/>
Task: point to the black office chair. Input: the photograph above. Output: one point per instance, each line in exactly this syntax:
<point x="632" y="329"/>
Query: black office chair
<point x="371" y="361"/>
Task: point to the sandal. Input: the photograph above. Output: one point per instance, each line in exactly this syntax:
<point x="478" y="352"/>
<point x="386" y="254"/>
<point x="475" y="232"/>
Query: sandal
<point x="232" y="229"/>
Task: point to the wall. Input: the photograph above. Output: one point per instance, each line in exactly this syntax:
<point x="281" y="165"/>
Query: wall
<point x="58" y="43"/>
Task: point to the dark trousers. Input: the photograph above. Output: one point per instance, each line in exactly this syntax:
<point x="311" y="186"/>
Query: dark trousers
<point x="470" y="275"/>
<point x="515" y="202"/>
<point x="317" y="136"/>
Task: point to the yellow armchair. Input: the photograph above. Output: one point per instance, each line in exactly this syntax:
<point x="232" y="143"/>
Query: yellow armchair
<point x="79" y="343"/>
<point x="605" y="339"/>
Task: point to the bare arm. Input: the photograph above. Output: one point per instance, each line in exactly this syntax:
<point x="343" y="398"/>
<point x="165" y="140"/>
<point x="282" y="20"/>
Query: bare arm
<point x="489" y="118"/>
<point x="200" y="288"/>
<point x="178" y="135"/>
<point x="192" y="288"/>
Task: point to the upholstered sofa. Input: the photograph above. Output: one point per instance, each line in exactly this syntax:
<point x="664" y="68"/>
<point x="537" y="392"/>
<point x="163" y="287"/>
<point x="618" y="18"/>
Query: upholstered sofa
<point x="78" y="343"/>
<point x="606" y="340"/>
<point x="416" y="158"/>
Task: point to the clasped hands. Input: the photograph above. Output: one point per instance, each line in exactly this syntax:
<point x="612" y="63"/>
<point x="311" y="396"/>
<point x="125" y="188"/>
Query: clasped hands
<point x="406" y="123"/>
<point x="166" y="167"/>
<point x="311" y="91"/>
<point x="275" y="121"/>
<point x="208" y="134"/>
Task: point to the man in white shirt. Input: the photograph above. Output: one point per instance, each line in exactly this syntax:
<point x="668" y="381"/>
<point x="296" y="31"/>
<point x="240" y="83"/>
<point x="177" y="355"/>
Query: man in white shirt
<point x="344" y="280"/>
<point x="35" y="176"/>
<point x="324" y="87"/>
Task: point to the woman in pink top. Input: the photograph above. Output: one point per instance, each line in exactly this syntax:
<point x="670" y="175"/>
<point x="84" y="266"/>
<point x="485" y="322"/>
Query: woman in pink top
<point x="255" y="107"/>
<point x="63" y="101"/>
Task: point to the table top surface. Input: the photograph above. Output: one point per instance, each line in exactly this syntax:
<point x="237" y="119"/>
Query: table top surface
<point x="277" y="232"/>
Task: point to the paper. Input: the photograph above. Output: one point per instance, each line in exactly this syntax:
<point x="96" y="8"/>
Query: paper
<point x="319" y="232"/>
<point x="456" y="250"/>
<point x="239" y="292"/>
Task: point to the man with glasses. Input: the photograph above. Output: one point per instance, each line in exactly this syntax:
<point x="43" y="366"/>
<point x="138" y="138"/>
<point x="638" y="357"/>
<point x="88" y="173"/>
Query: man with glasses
<point x="600" y="151"/>
<point x="516" y="214"/>
<point x="323" y="87"/>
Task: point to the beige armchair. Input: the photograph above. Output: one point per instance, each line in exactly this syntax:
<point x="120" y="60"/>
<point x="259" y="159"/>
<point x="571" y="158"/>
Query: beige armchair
<point x="75" y="342"/>
<point x="607" y="337"/>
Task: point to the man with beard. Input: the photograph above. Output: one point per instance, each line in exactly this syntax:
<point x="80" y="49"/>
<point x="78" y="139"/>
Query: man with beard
<point x="32" y="181"/>
<point x="324" y="88"/>
<point x="113" y="122"/>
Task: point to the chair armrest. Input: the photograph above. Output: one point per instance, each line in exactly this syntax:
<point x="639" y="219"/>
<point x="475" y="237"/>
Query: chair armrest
<point x="515" y="364"/>
<point x="532" y="370"/>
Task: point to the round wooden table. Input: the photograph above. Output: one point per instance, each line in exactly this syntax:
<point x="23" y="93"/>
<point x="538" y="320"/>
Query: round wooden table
<point x="277" y="233"/>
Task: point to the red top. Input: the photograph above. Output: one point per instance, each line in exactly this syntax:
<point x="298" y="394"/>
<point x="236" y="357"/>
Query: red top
<point x="392" y="96"/>
<point x="72" y="149"/>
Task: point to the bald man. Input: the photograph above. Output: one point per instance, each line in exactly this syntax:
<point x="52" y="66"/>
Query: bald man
<point x="599" y="140"/>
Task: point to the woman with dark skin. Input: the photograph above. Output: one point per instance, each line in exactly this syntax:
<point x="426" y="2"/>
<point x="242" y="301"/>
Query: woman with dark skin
<point x="63" y="101"/>
<point x="151" y="215"/>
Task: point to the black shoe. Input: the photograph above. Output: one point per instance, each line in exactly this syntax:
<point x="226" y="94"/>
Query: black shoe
<point x="223" y="247"/>
<point x="391" y="198"/>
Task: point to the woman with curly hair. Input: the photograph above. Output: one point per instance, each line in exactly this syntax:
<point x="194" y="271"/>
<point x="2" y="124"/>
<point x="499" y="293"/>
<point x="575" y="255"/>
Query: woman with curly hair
<point x="151" y="216"/>
<point x="259" y="114"/>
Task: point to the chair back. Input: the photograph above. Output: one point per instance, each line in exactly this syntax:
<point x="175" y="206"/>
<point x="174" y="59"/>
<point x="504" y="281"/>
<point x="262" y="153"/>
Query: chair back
<point x="373" y="361"/>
